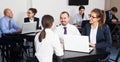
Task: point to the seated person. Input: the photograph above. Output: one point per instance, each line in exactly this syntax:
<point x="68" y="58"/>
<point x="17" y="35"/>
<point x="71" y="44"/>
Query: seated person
<point x="9" y="28"/>
<point x="8" y="24"/>
<point x="47" y="42"/>
<point x="31" y="17"/>
<point x="78" y="18"/>
<point x="65" y="28"/>
<point x="98" y="31"/>
<point x="111" y="19"/>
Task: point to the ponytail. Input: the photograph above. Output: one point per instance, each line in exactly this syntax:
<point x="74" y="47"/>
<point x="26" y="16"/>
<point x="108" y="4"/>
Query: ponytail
<point x="103" y="19"/>
<point x="47" y="22"/>
<point x="42" y="35"/>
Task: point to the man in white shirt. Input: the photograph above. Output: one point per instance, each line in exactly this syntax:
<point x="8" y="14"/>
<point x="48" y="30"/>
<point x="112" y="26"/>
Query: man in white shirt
<point x="66" y="28"/>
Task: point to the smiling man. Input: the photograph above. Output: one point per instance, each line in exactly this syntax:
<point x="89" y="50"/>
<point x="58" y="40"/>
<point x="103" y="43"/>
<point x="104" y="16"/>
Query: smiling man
<point x="65" y="28"/>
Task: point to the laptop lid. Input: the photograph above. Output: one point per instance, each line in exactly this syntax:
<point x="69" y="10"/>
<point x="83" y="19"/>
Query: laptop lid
<point x="77" y="43"/>
<point x="29" y="27"/>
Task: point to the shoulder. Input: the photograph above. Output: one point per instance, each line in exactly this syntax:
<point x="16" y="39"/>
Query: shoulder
<point x="36" y="18"/>
<point x="26" y="18"/>
<point x="105" y="26"/>
<point x="71" y="26"/>
<point x="3" y="18"/>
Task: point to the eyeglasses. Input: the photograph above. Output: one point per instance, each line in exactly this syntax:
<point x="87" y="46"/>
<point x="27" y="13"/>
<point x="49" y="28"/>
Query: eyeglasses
<point x="92" y="17"/>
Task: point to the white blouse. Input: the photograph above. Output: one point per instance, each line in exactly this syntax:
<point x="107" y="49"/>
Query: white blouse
<point x="93" y="34"/>
<point x="49" y="45"/>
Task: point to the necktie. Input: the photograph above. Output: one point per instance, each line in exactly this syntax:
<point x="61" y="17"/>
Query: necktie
<point x="9" y="24"/>
<point x="65" y="30"/>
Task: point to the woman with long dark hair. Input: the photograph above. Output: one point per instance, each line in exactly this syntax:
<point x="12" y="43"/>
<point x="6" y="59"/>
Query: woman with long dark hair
<point x="47" y="42"/>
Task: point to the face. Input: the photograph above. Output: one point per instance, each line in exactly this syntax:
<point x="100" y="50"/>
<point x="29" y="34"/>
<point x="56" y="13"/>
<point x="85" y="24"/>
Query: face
<point x="64" y="19"/>
<point x="9" y="13"/>
<point x="113" y="13"/>
<point x="93" y="18"/>
<point x="81" y="11"/>
<point x="30" y="14"/>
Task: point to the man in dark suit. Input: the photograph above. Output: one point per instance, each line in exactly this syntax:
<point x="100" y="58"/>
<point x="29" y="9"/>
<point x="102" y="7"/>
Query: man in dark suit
<point x="111" y="19"/>
<point x="31" y="17"/>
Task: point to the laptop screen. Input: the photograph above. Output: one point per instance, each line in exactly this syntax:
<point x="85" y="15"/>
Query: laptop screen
<point x="29" y="27"/>
<point x="76" y="43"/>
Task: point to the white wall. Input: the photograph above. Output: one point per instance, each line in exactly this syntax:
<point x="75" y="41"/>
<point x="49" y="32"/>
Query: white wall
<point x="54" y="7"/>
<point x="19" y="8"/>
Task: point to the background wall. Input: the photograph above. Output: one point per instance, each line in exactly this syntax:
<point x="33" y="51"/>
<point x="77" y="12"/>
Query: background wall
<point x="111" y="3"/>
<point x="54" y="7"/>
<point x="19" y="8"/>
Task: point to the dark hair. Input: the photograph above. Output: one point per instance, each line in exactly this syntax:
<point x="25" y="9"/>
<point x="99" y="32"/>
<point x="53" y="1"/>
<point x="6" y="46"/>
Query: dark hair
<point x="81" y="7"/>
<point x="65" y="12"/>
<point x="47" y="22"/>
<point x="114" y="9"/>
<point x="100" y="14"/>
<point x="33" y="10"/>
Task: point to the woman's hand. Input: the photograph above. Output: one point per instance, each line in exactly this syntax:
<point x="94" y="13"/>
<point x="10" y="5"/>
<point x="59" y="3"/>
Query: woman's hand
<point x="91" y="45"/>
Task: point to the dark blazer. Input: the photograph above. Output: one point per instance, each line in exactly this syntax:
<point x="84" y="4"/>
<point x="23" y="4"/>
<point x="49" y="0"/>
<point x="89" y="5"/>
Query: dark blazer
<point x="35" y="19"/>
<point x="103" y="37"/>
<point x="108" y="20"/>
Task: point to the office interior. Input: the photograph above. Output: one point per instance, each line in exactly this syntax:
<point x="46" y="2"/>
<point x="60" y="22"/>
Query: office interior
<point x="54" y="8"/>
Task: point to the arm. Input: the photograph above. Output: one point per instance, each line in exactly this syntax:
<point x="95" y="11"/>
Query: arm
<point x="37" y="27"/>
<point x="57" y="46"/>
<point x="108" y="40"/>
<point x="5" y="27"/>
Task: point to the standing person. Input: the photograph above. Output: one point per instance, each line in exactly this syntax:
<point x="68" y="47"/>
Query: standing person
<point x="8" y="24"/>
<point x="98" y="32"/>
<point x="66" y="28"/>
<point x="47" y="42"/>
<point x="81" y="16"/>
<point x="31" y="17"/>
<point x="111" y="19"/>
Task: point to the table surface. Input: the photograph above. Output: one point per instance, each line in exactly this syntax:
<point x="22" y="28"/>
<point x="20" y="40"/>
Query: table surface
<point x="80" y="56"/>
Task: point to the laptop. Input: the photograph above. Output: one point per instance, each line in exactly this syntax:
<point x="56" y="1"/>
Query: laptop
<point x="28" y="27"/>
<point x="77" y="43"/>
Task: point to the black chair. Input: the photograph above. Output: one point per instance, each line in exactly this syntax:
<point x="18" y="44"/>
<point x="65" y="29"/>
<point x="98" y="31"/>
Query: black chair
<point x="12" y="47"/>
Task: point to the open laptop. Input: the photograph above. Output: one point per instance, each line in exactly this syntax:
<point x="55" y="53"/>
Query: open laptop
<point x="28" y="27"/>
<point x="77" y="43"/>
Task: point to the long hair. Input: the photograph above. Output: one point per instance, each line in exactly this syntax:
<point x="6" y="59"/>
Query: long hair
<point x="100" y="14"/>
<point x="47" y="22"/>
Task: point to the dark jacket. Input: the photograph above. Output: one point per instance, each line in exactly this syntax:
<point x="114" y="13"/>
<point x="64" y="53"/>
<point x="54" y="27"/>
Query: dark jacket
<point x="35" y="19"/>
<point x="103" y="37"/>
<point x="108" y="20"/>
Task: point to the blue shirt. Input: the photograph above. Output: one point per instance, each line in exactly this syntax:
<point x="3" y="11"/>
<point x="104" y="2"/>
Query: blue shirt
<point x="0" y="34"/>
<point x="4" y="24"/>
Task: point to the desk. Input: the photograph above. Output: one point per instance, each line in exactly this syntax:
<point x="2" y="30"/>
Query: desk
<point x="70" y="56"/>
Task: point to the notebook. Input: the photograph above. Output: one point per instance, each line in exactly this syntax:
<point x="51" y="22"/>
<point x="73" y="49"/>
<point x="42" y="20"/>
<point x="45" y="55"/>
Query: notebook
<point x="29" y="27"/>
<point x="77" y="43"/>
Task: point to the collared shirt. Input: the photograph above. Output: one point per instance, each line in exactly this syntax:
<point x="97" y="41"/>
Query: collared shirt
<point x="49" y="45"/>
<point x="31" y="20"/>
<point x="4" y="23"/>
<point x="71" y="30"/>
<point x="93" y="34"/>
<point x="79" y="19"/>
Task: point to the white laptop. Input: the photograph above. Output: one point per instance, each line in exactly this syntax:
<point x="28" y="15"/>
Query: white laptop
<point x="28" y="27"/>
<point x="77" y="43"/>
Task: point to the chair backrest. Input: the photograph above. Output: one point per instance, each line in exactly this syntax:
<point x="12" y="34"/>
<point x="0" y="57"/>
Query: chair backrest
<point x="84" y="22"/>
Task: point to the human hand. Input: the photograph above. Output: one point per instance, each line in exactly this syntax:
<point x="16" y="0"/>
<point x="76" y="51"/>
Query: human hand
<point x="114" y="21"/>
<point x="91" y="44"/>
<point x="18" y="31"/>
